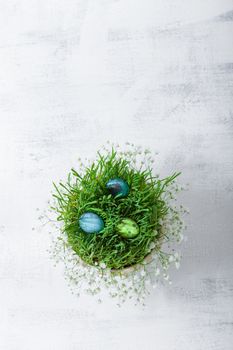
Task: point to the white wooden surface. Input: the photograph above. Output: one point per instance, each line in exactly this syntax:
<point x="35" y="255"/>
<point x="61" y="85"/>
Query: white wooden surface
<point x="73" y="74"/>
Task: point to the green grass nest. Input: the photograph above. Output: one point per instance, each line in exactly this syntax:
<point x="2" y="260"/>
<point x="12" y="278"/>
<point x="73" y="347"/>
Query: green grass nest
<point x="86" y="191"/>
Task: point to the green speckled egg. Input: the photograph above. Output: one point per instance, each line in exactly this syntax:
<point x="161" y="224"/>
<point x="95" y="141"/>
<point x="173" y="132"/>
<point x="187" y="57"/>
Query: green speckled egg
<point x="128" y="228"/>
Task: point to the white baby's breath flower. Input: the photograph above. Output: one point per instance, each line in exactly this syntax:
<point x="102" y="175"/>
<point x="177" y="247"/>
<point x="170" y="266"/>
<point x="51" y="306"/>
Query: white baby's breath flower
<point x="181" y="237"/>
<point x="171" y="258"/>
<point x="160" y="221"/>
<point x="136" y="278"/>
<point x="102" y="265"/>
<point x="128" y="283"/>
<point x="152" y="246"/>
<point x="117" y="278"/>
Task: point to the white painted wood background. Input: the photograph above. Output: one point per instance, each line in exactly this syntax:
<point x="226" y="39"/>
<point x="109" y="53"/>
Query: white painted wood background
<point x="73" y="74"/>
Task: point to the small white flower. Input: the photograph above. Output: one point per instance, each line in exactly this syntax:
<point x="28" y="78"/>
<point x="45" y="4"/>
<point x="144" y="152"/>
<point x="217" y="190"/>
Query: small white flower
<point x="171" y="258"/>
<point x="136" y="278"/>
<point x="128" y="283"/>
<point x="181" y="237"/>
<point x="117" y="278"/>
<point x="160" y="221"/>
<point x="102" y="265"/>
<point x="152" y="245"/>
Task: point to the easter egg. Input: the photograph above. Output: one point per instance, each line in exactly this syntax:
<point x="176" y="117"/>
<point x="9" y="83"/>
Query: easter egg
<point x="128" y="228"/>
<point x="118" y="187"/>
<point x="91" y="222"/>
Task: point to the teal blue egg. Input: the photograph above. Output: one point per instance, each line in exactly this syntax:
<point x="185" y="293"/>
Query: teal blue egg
<point x="118" y="187"/>
<point x="91" y="222"/>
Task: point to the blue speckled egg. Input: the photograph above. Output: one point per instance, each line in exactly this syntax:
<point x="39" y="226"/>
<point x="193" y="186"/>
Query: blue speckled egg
<point x="91" y="222"/>
<point x="118" y="187"/>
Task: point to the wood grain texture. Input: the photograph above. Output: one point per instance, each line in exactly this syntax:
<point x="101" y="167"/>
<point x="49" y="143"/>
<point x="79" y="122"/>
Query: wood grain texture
<point x="73" y="74"/>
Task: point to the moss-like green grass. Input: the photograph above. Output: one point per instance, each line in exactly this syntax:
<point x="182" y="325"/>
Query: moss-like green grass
<point x="87" y="192"/>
